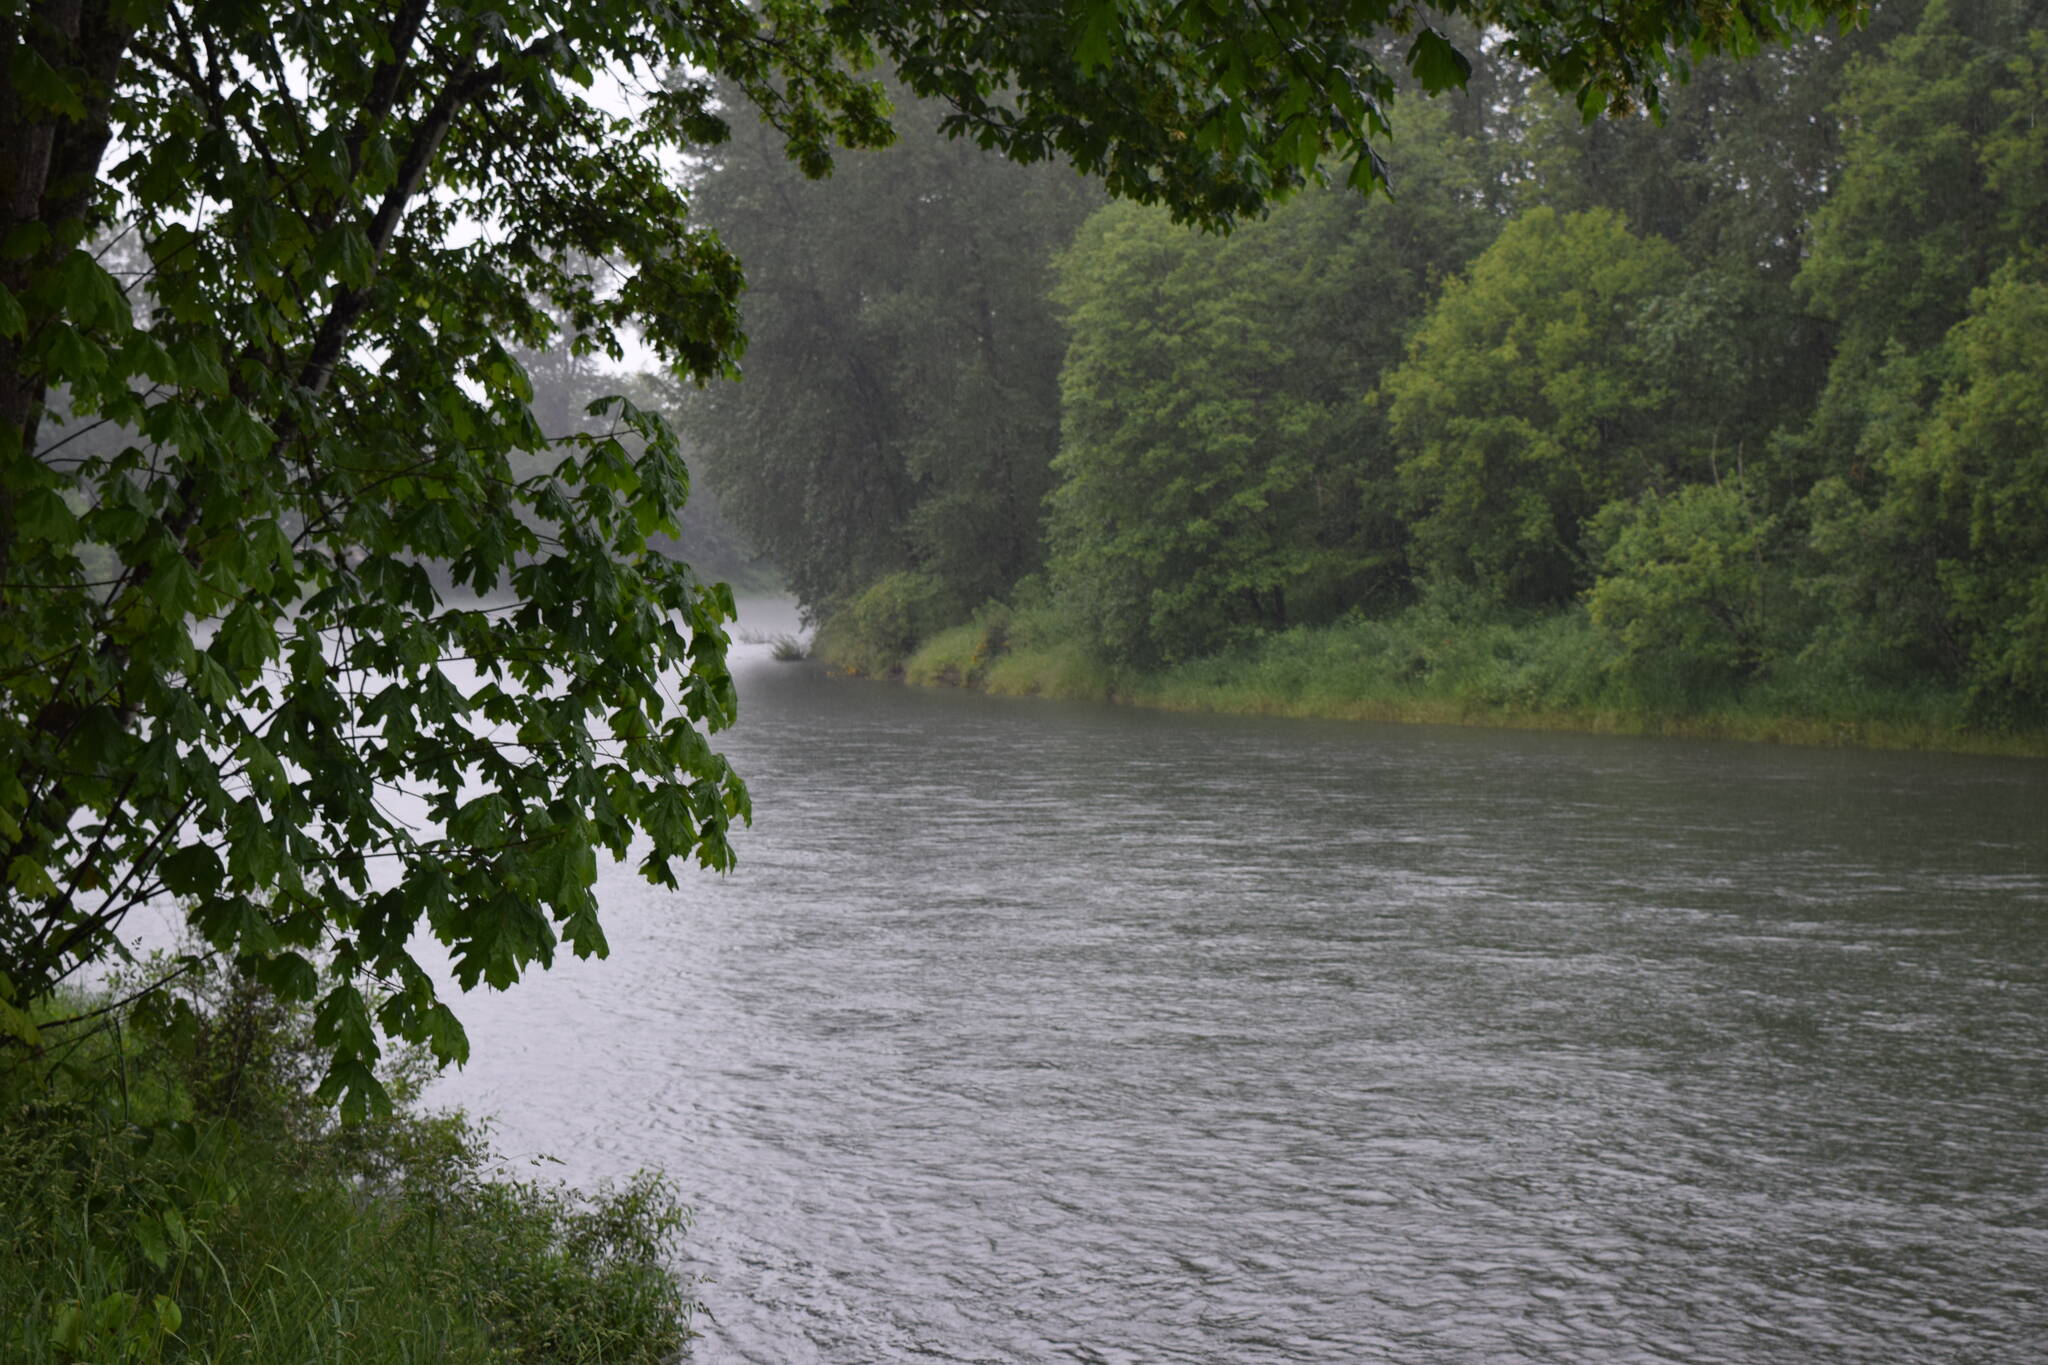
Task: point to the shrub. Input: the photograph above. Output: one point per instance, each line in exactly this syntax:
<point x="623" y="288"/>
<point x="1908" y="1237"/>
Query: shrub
<point x="1685" y="585"/>
<point x="875" y="632"/>
<point x="173" y="1193"/>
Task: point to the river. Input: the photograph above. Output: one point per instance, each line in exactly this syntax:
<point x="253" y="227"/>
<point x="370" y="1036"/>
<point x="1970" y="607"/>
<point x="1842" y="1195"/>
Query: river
<point x="1034" y="1031"/>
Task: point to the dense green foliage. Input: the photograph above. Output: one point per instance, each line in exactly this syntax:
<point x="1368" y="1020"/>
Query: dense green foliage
<point x="1685" y="587"/>
<point x="1217" y="473"/>
<point x="169" y="1198"/>
<point x="1754" y="397"/>
<point x="1534" y="393"/>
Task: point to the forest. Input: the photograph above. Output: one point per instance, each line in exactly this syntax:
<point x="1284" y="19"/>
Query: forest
<point x="1740" y="412"/>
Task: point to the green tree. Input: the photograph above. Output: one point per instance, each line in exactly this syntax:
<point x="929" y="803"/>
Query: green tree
<point x="1219" y="473"/>
<point x="1966" y="491"/>
<point x="1944" y="178"/>
<point x="900" y="408"/>
<point x="1920" y="261"/>
<point x="1686" y="583"/>
<point x="349" y="213"/>
<point x="1541" y="387"/>
<point x="1733" y="176"/>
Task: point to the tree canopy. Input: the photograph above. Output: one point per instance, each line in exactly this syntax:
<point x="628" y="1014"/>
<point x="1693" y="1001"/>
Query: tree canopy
<point x="223" y="658"/>
<point x="1218" y="474"/>
<point x="1533" y="394"/>
<point x="900" y="407"/>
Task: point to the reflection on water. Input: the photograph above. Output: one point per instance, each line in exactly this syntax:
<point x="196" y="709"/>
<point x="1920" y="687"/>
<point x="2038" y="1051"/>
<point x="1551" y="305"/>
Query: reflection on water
<point x="1046" y="1032"/>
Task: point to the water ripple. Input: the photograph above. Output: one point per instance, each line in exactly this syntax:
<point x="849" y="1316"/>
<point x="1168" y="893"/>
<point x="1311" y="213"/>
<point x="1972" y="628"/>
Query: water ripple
<point x="1043" y="1033"/>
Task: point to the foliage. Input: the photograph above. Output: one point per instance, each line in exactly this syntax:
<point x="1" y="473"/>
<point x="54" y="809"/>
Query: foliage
<point x="1944" y="175"/>
<point x="1211" y="110"/>
<point x="1971" y="485"/>
<point x="1218" y="475"/>
<point x="1685" y="582"/>
<point x="1925" y="258"/>
<point x="1188" y="463"/>
<point x="1533" y="395"/>
<point x="1803" y="389"/>
<point x="1456" y="657"/>
<point x="142" y="1219"/>
<point x="899" y="410"/>
<point x="879" y="628"/>
<point x="566" y="385"/>
<point x="318" y="401"/>
<point x="954" y="657"/>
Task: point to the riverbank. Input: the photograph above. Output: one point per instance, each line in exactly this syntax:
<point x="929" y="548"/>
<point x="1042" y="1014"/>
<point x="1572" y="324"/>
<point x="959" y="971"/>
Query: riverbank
<point x="1539" y="672"/>
<point x="173" y="1195"/>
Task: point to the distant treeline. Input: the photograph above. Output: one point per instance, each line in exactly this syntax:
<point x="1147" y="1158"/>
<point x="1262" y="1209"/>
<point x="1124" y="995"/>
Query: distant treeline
<point x="1750" y="404"/>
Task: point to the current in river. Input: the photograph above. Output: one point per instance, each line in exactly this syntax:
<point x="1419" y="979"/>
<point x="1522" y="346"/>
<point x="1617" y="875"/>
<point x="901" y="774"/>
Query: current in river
<point x="1033" y="1031"/>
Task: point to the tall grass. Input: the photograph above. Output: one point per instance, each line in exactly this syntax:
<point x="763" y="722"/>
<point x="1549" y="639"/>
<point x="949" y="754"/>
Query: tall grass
<point x="1018" y="651"/>
<point x="1451" y="658"/>
<point x="151" y="1213"/>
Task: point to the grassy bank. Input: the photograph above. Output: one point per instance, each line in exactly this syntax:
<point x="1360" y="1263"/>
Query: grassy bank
<point x="175" y="1196"/>
<point x="1436" y="664"/>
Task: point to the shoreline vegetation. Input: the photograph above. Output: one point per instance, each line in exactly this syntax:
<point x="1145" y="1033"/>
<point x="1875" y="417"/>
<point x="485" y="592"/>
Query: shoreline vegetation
<point x="1426" y="666"/>
<point x="1733" y="426"/>
<point x="170" y="1190"/>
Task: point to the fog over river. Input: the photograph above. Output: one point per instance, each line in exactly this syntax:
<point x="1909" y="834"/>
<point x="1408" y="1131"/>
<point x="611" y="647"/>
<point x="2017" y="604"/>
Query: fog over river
<point x="1032" y="1031"/>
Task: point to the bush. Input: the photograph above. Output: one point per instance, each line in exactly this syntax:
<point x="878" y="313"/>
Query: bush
<point x="173" y="1194"/>
<point x="1686" y="586"/>
<point x="874" y="633"/>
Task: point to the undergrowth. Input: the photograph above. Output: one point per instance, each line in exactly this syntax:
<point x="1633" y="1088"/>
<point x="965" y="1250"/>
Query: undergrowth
<point x="1447" y="659"/>
<point x="172" y="1194"/>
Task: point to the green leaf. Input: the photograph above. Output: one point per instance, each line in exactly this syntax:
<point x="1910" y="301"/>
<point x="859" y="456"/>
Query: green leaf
<point x="1438" y="64"/>
<point x="197" y="366"/>
<point x="43" y="515"/>
<point x="91" y="296"/>
<point x="247" y="640"/>
<point x="249" y="438"/>
<point x="193" y="870"/>
<point x="68" y="1328"/>
<point x="26" y="875"/>
<point x="480" y="822"/>
<point x="445" y="1035"/>
<point x="354" y="263"/>
<point x="72" y="357"/>
<point x="38" y="85"/>
<point x="16" y="1022"/>
<point x="149" y="1235"/>
<point x="266" y="775"/>
<point x="13" y="321"/>
<point x="291" y="975"/>
<point x="1095" y="45"/>
<point x="143" y="354"/>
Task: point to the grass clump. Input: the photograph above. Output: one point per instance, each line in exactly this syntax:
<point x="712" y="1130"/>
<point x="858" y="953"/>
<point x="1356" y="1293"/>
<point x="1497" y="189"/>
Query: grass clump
<point x="173" y="1195"/>
<point x="1023" y="648"/>
<point x="954" y="657"/>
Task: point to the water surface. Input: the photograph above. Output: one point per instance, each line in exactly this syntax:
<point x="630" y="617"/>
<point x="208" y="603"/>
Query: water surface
<point x="1039" y="1032"/>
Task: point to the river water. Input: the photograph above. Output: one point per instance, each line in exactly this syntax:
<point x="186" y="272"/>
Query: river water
<point x="1034" y="1031"/>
